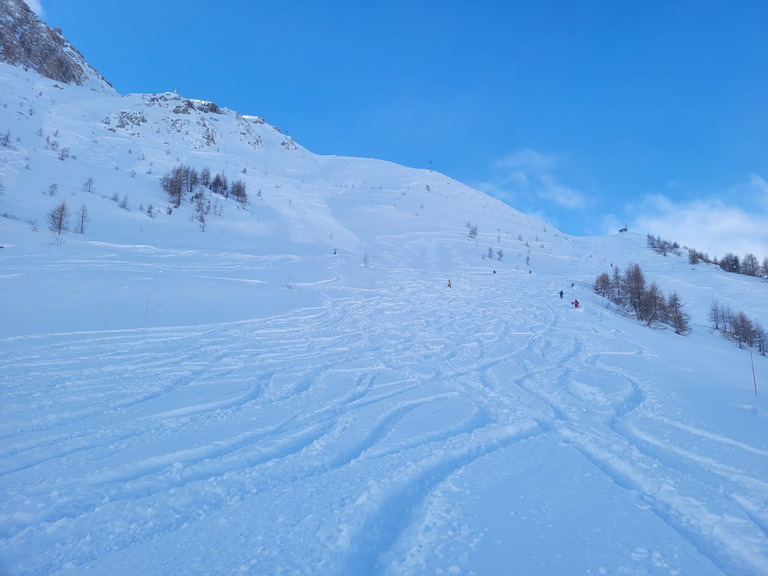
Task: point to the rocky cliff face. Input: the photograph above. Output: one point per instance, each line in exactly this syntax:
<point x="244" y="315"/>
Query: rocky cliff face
<point x="27" y="42"/>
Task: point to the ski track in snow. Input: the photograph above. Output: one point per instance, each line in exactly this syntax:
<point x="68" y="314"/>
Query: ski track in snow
<point x="635" y="460"/>
<point x="372" y="409"/>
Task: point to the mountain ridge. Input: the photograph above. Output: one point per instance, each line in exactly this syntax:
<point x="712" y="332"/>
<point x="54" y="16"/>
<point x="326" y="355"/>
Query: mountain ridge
<point x="28" y="42"/>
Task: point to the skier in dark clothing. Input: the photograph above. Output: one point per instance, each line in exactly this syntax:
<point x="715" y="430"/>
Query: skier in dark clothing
<point x="561" y="293"/>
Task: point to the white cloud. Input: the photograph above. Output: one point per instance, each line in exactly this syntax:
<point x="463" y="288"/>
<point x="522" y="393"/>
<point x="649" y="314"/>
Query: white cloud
<point x="536" y="176"/>
<point x="518" y="179"/>
<point x="560" y="194"/>
<point x="712" y="225"/>
<point x="36" y="7"/>
<point x="755" y="190"/>
<point x="528" y="159"/>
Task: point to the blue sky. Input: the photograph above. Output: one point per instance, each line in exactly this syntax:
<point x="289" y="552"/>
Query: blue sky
<point x="590" y="114"/>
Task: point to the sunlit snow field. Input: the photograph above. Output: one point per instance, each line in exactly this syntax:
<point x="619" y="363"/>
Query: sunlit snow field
<point x="241" y="400"/>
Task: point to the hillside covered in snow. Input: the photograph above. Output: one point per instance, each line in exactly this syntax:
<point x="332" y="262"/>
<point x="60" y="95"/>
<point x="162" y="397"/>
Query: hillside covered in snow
<point x="287" y="385"/>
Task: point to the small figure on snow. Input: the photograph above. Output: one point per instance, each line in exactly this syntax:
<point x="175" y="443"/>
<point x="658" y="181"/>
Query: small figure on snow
<point x="575" y="303"/>
<point x="335" y="251"/>
<point x="561" y="294"/>
<point x="449" y="283"/>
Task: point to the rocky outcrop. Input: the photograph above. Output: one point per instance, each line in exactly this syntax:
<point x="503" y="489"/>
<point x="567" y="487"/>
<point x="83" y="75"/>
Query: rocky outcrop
<point x="27" y="42"/>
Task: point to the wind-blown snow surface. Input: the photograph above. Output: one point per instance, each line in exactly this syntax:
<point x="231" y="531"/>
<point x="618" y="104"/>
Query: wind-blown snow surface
<point x="242" y="400"/>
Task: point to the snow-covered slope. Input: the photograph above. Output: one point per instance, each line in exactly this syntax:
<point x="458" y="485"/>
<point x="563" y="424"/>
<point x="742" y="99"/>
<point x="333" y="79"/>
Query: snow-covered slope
<point x="243" y="400"/>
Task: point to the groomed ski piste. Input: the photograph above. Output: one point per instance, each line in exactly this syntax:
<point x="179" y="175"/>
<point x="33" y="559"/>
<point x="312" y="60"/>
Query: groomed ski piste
<point x="241" y="400"/>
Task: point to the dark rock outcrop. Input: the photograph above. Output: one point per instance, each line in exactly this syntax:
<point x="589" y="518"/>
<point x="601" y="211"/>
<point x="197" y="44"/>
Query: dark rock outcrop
<point x="27" y="42"/>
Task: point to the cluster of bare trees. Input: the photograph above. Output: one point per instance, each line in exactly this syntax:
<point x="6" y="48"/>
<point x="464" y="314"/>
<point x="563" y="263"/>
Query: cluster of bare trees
<point x="663" y="247"/>
<point x="498" y="255"/>
<point x="749" y="265"/>
<point x="180" y="181"/>
<point x="644" y="301"/>
<point x="58" y="219"/>
<point x="738" y="327"/>
<point x="183" y="182"/>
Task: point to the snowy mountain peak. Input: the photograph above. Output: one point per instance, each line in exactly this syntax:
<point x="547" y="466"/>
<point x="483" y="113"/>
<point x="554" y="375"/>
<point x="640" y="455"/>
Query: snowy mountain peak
<point x="27" y="42"/>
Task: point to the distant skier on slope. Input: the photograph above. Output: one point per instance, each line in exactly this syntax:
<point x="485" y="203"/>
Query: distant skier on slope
<point x="561" y="294"/>
<point x="449" y="283"/>
<point x="575" y="303"/>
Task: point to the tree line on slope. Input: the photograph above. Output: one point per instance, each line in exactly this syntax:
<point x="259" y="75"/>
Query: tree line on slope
<point x="749" y="265"/>
<point x="646" y="302"/>
<point x="185" y="181"/>
<point x="737" y="327"/>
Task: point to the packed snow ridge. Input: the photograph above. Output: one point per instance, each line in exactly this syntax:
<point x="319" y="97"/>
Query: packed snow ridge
<point x="293" y="388"/>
